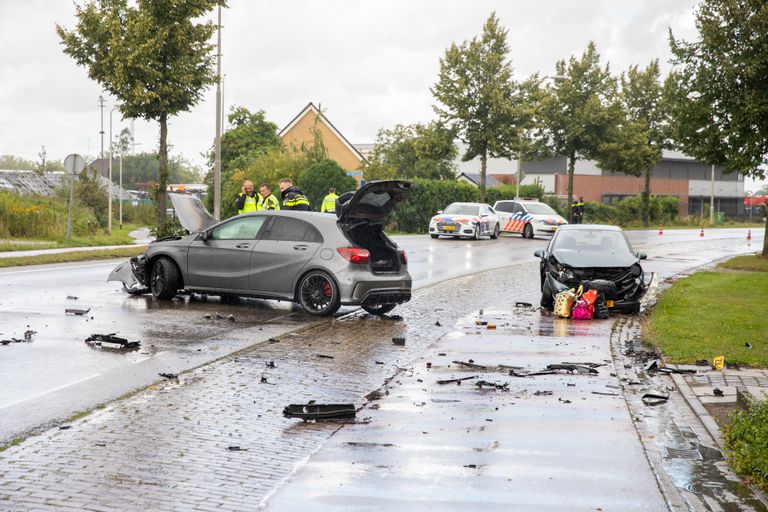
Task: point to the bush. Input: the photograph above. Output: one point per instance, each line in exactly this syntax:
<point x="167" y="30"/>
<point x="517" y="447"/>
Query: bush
<point x="746" y="439"/>
<point x="42" y="217"/>
<point x="626" y="212"/>
<point x="316" y="181"/>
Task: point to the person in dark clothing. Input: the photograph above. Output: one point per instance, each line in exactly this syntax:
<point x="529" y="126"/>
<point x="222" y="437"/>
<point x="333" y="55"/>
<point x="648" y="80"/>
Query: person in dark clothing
<point x="293" y="198"/>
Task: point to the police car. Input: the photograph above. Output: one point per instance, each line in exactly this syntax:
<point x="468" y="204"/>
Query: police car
<point x="529" y="217"/>
<point x="465" y="220"/>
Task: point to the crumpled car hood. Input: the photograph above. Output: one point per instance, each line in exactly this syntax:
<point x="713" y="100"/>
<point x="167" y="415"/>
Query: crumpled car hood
<point x="191" y="213"/>
<point x="579" y="259"/>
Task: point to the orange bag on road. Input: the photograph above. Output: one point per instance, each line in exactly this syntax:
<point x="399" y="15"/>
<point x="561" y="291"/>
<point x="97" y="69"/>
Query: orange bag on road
<point x="591" y="297"/>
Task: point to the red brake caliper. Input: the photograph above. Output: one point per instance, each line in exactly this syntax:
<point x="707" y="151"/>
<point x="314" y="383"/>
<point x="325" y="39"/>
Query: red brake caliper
<point x="328" y="290"/>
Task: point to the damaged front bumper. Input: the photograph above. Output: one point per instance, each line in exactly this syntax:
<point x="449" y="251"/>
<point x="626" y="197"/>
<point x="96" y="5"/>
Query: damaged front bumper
<point x="626" y="292"/>
<point x="132" y="274"/>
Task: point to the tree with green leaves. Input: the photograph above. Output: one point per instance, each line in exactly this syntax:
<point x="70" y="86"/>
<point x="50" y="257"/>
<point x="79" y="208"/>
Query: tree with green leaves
<point x="644" y="104"/>
<point x="321" y="176"/>
<point x="142" y="168"/>
<point x="15" y="163"/>
<point x="416" y="151"/>
<point x="153" y="56"/>
<point x="581" y="117"/>
<point x="721" y="107"/>
<point x="478" y="100"/>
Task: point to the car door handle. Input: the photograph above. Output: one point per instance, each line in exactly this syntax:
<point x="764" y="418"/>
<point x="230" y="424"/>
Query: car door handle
<point x="243" y="246"/>
<point x="301" y="247"/>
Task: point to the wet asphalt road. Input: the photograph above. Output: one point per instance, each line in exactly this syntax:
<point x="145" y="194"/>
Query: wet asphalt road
<point x="58" y="374"/>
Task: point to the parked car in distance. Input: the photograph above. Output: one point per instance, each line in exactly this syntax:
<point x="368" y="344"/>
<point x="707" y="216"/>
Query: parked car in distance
<point x="318" y="260"/>
<point x="529" y="217"/>
<point x="465" y="220"/>
<point x="598" y="256"/>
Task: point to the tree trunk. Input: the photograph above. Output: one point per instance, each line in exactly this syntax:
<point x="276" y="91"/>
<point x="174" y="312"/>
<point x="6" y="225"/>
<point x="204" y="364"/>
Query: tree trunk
<point x="765" y="239"/>
<point x="162" y="175"/>
<point x="645" y="205"/>
<point x="483" y="165"/>
<point x="571" y="166"/>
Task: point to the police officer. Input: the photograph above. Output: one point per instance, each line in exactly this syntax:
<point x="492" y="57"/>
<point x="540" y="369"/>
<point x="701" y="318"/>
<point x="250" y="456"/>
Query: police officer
<point x="267" y="200"/>
<point x="329" y="201"/>
<point x="246" y="201"/>
<point x="581" y="210"/>
<point x="293" y="198"/>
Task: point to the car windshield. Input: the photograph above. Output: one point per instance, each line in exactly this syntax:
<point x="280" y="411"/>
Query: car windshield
<point x="462" y="209"/>
<point x="539" y="208"/>
<point x="592" y="240"/>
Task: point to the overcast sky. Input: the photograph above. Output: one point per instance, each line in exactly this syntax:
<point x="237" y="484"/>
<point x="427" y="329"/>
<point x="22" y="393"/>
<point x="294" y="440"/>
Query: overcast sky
<point x="369" y="63"/>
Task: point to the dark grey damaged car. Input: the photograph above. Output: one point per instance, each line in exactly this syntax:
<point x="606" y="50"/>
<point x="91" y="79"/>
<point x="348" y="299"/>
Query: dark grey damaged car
<point x="318" y="260"/>
<point x="598" y="256"/>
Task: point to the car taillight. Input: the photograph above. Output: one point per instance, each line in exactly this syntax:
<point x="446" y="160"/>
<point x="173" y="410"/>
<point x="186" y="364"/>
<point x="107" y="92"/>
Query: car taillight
<point x="403" y="257"/>
<point x="355" y="255"/>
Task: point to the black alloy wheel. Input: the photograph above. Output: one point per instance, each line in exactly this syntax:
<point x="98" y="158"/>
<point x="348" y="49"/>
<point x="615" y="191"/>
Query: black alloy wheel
<point x="165" y="279"/>
<point x="318" y="294"/>
<point x="434" y="236"/>
<point x="496" y="232"/>
<point x="378" y="309"/>
<point x="528" y="231"/>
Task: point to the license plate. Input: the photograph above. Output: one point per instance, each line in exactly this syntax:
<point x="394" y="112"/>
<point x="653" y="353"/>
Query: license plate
<point x="609" y="303"/>
<point x="449" y="228"/>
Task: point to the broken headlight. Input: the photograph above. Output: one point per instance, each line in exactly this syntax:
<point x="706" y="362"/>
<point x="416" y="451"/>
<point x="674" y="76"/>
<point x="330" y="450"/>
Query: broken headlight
<point x="562" y="273"/>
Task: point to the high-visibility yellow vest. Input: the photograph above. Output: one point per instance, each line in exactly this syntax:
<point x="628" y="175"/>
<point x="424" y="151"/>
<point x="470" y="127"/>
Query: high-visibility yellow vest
<point x="329" y="203"/>
<point x="268" y="203"/>
<point x="250" y="204"/>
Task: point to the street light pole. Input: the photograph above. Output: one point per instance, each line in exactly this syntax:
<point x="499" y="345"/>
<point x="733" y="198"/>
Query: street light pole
<point x="712" y="198"/>
<point x="120" y="192"/>
<point x="217" y="143"/>
<point x="109" y="187"/>
<point x="519" y="169"/>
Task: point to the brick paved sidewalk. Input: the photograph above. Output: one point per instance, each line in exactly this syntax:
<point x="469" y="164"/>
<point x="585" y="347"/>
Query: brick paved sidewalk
<point x="166" y="448"/>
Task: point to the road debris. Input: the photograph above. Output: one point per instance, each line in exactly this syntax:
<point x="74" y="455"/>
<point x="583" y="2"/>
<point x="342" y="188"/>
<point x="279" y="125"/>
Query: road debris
<point x="605" y="393"/>
<point x="718" y="392"/>
<point x="76" y="311"/>
<point x="655" y="397"/>
<point x="400" y="342"/>
<point x="323" y="356"/>
<point x="28" y="334"/>
<point x="320" y="412"/>
<point x="169" y="376"/>
<point x="523" y="304"/>
<point x="484" y="383"/>
<point x="469" y="364"/>
<point x="456" y="381"/>
<point x="571" y="368"/>
<point x="438" y="324"/>
<point x="236" y="449"/>
<point x="72" y="297"/>
<point x="542" y="393"/>
<point x="110" y="341"/>
<point x="271" y="364"/>
<point x="525" y="373"/>
<point x="491" y="326"/>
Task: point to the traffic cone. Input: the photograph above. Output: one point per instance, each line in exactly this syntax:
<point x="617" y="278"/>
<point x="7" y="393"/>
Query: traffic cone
<point x="749" y="237"/>
<point x="701" y="235"/>
<point x="661" y="230"/>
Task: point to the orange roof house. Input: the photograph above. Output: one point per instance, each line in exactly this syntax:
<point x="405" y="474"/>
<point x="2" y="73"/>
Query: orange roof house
<point x="299" y="132"/>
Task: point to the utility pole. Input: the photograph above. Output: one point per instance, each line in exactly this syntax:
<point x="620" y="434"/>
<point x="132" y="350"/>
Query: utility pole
<point x="712" y="198"/>
<point x="217" y="142"/>
<point x="101" y="106"/>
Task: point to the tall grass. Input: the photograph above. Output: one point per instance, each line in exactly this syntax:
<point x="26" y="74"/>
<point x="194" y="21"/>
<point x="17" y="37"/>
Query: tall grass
<point x="37" y="217"/>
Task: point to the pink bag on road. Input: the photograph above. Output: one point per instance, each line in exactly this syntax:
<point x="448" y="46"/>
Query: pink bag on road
<point x="582" y="310"/>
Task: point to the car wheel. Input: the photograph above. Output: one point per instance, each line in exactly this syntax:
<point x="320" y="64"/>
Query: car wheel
<point x="496" y="232"/>
<point x="318" y="294"/>
<point x="546" y="301"/>
<point x="378" y="309"/>
<point x="476" y="234"/>
<point x="165" y="279"/>
<point x="528" y="231"/>
<point x="434" y="236"/>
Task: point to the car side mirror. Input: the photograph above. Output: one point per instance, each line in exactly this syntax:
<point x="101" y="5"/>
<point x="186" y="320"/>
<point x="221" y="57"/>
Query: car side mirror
<point x="204" y="235"/>
<point x="641" y="256"/>
<point x="439" y="212"/>
<point x="539" y="253"/>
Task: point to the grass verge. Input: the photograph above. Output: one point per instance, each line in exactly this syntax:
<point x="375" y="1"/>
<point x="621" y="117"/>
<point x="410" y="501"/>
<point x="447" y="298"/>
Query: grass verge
<point x="711" y="314"/>
<point x="754" y="263"/>
<point x="118" y="237"/>
<point x="67" y="257"/>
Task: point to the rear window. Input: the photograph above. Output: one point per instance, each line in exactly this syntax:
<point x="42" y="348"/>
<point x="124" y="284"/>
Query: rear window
<point x="377" y="199"/>
<point x="462" y="209"/>
<point x="292" y="230"/>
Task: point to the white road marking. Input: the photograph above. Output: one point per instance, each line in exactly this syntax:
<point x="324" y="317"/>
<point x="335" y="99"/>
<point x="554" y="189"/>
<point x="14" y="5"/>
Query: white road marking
<point x="48" y="269"/>
<point x="50" y="390"/>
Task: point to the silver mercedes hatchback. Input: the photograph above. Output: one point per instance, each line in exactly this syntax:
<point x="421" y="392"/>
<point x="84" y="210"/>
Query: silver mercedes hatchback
<point x="322" y="261"/>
